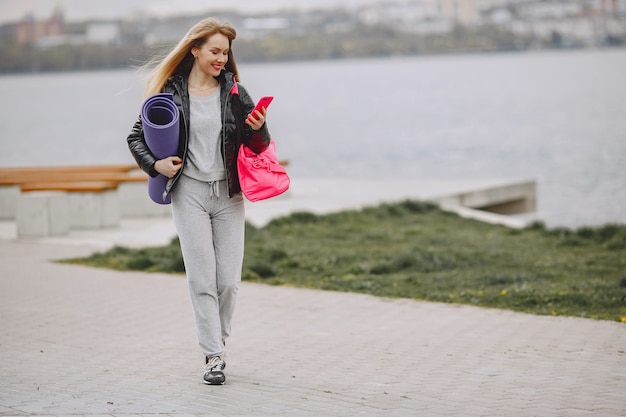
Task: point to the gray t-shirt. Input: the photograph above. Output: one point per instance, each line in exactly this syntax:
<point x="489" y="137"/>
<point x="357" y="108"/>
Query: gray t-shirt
<point x="204" y="156"/>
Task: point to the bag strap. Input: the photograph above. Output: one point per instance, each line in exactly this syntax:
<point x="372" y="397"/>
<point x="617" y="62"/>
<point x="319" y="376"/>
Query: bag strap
<point x="237" y="111"/>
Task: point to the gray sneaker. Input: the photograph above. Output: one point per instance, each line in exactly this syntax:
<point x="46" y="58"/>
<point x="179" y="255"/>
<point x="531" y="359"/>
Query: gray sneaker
<point x="214" y="371"/>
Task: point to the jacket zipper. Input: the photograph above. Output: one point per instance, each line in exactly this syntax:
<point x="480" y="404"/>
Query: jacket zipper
<point x="227" y="102"/>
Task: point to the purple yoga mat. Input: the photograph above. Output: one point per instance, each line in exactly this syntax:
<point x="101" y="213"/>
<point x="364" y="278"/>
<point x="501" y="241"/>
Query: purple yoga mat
<point x="160" y="120"/>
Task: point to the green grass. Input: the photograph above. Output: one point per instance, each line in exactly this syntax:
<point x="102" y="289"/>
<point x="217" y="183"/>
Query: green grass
<point x="414" y="250"/>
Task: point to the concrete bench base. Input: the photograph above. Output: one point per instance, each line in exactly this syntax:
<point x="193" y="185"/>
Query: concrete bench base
<point x="94" y="210"/>
<point x="42" y="214"/>
<point x="135" y="202"/>
<point x="55" y="213"/>
<point x="8" y="201"/>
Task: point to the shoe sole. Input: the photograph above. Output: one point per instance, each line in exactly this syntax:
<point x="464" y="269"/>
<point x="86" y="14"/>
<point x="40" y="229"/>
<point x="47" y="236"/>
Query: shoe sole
<point x="218" y="379"/>
<point x="214" y="383"/>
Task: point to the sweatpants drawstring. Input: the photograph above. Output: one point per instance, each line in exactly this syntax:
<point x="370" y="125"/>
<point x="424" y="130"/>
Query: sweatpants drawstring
<point x="214" y="189"/>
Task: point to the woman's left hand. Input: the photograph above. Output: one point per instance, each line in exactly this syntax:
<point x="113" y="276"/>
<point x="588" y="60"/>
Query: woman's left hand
<point x="256" y="120"/>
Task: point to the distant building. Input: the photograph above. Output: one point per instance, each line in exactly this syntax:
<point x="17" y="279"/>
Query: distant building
<point x="252" y="27"/>
<point x="104" y="33"/>
<point x="29" y="30"/>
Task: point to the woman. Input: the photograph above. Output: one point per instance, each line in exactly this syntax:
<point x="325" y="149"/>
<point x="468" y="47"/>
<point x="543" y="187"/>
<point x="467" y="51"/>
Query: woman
<point x="207" y="203"/>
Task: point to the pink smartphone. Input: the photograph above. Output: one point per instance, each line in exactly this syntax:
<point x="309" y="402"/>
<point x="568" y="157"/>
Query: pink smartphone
<point x="263" y="102"/>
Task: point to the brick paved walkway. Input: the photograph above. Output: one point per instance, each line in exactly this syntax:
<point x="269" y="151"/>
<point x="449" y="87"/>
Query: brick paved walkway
<point x="82" y="341"/>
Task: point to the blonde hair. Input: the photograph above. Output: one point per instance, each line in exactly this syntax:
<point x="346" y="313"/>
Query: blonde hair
<point x="180" y="60"/>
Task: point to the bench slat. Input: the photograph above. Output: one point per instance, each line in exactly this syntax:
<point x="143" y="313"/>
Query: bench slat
<point x="118" y="177"/>
<point x="70" y="168"/>
<point x="72" y="186"/>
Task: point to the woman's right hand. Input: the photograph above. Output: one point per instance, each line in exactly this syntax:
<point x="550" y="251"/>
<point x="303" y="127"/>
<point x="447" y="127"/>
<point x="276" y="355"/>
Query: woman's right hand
<point x="168" y="166"/>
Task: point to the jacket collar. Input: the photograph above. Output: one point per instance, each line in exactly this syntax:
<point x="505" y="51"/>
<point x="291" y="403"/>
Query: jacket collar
<point x="226" y="80"/>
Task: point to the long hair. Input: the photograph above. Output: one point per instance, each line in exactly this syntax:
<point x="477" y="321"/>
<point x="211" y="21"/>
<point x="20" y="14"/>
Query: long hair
<point x="180" y="60"/>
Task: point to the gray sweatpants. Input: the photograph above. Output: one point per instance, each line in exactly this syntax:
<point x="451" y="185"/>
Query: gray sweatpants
<point x="211" y="228"/>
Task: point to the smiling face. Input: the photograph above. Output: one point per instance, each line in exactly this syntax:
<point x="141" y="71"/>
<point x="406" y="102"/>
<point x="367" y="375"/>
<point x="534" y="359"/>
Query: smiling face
<point x="212" y="55"/>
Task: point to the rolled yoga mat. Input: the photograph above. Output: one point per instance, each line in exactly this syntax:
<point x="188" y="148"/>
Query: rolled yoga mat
<point x="160" y="120"/>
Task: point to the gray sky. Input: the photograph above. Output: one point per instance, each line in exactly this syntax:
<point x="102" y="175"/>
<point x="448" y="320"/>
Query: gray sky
<point x="12" y="10"/>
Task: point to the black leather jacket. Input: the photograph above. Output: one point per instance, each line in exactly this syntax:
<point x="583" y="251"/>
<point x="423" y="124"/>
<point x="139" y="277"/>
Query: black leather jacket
<point x="255" y="140"/>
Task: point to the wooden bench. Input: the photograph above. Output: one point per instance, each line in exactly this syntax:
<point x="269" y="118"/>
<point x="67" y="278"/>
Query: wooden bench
<point x="94" y="179"/>
<point x="20" y="177"/>
<point x="132" y="188"/>
<point x="91" y="204"/>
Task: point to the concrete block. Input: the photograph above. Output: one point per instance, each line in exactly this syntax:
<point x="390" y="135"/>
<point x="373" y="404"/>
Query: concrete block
<point x="110" y="208"/>
<point x="94" y="210"/>
<point x="8" y="201"/>
<point x="511" y="198"/>
<point x="508" y="198"/>
<point x="42" y="214"/>
<point x="135" y="202"/>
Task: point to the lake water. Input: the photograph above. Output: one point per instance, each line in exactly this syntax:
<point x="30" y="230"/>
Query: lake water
<point x="556" y="117"/>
